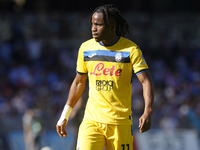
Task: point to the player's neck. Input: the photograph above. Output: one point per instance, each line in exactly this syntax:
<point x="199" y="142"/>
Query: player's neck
<point x="110" y="42"/>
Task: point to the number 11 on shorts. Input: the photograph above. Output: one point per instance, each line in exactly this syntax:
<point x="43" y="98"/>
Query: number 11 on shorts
<point x="124" y="148"/>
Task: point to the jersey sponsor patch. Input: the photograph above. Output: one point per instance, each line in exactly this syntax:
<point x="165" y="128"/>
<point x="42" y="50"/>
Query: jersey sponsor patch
<point x="104" y="85"/>
<point x="92" y="55"/>
<point x="100" y="69"/>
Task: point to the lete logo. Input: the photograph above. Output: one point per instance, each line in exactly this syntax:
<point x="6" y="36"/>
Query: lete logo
<point x="99" y="70"/>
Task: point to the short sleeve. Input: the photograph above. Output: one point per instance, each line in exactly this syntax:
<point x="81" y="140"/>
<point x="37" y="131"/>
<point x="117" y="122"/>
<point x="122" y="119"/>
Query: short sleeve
<point x="81" y="65"/>
<point x="137" y="59"/>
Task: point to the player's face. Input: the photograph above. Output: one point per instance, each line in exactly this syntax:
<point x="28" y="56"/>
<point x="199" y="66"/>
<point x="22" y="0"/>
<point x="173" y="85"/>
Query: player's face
<point x="100" y="31"/>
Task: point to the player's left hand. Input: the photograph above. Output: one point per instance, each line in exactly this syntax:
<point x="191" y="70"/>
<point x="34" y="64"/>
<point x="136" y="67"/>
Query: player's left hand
<point x="145" y="122"/>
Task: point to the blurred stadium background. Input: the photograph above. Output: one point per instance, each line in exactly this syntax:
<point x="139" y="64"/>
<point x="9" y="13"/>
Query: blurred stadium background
<point x="39" y="41"/>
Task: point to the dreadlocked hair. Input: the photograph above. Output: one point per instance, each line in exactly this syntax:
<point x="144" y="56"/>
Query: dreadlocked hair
<point x="111" y="11"/>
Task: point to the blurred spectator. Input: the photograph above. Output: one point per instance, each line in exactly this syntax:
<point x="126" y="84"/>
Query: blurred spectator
<point x="32" y="128"/>
<point x="194" y="116"/>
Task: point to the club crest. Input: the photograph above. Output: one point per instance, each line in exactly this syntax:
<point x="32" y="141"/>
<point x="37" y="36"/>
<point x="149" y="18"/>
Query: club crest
<point x="118" y="57"/>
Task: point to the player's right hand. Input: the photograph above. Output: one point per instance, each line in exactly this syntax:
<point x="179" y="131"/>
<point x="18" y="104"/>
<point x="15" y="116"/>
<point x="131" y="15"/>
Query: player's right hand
<point x="61" y="129"/>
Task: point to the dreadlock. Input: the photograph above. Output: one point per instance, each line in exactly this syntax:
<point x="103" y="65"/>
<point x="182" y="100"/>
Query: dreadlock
<point x="111" y="11"/>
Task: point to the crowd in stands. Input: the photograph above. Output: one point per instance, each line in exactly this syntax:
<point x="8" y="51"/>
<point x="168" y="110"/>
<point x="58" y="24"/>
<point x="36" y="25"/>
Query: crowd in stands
<point x="38" y="53"/>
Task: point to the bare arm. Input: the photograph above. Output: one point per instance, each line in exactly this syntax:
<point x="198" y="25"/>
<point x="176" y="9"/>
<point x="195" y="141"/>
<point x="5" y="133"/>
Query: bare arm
<point x="75" y="93"/>
<point x="145" y="120"/>
<point x="76" y="89"/>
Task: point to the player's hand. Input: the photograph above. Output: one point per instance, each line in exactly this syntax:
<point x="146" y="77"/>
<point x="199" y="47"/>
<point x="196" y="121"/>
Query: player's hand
<point x="61" y="129"/>
<point x="145" y="122"/>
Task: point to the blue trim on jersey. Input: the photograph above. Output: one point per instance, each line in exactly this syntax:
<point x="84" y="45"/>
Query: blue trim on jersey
<point x="131" y="129"/>
<point x="105" y="53"/>
<point x="142" y="71"/>
<point x="80" y="73"/>
<point x="111" y="43"/>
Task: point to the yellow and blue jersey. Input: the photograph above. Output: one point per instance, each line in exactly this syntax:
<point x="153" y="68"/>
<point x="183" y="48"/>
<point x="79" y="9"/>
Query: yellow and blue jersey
<point x="110" y="70"/>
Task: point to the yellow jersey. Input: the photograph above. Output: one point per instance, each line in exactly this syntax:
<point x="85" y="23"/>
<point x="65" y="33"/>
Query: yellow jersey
<point x="110" y="70"/>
